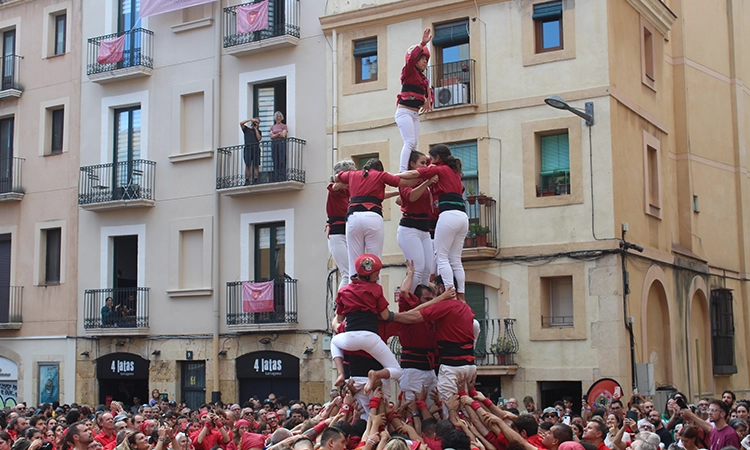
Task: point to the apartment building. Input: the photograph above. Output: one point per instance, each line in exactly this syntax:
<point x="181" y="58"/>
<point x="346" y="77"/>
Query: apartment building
<point x="172" y="230"/>
<point x="561" y="205"/>
<point x="39" y="109"/>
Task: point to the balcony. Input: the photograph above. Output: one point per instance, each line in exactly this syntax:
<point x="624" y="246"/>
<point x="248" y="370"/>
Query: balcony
<point x="126" y="184"/>
<point x="120" y="56"/>
<point x="128" y="315"/>
<point x="282" y="30"/>
<point x="282" y="314"/>
<point x="453" y="84"/>
<point x="481" y="240"/>
<point x="9" y="82"/>
<point x="11" y="301"/>
<point x="281" y="168"/>
<point x="11" y="186"/>
<point x="494" y="351"/>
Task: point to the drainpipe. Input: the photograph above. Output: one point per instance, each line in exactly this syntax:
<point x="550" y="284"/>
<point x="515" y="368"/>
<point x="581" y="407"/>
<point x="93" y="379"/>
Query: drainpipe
<point x="216" y="392"/>
<point x="624" y="247"/>
<point x="335" y="100"/>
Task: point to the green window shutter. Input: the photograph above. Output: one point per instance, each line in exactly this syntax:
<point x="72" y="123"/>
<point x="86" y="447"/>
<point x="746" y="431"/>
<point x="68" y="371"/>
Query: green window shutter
<point x="555" y="154"/>
<point x="367" y="47"/>
<point x="467" y="153"/>
<point x="451" y="34"/>
<point x="475" y="299"/>
<point x="547" y="11"/>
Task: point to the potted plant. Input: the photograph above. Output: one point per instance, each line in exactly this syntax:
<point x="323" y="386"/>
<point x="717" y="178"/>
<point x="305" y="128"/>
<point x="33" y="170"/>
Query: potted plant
<point x="471" y="194"/>
<point x="470" y="240"/>
<point x="502" y="348"/>
<point x="480" y="233"/>
<point x="482" y="198"/>
<point x="563" y="183"/>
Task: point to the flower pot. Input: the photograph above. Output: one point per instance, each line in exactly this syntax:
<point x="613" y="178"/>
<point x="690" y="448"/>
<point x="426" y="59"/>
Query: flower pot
<point x="502" y="359"/>
<point x="469" y="242"/>
<point x="482" y="199"/>
<point x="471" y="199"/>
<point x="482" y="240"/>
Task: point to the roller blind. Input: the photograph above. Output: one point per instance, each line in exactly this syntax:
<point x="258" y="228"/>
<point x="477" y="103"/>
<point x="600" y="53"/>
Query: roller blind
<point x="552" y="10"/>
<point x="555" y="154"/>
<point x="450" y="34"/>
<point x="367" y="47"/>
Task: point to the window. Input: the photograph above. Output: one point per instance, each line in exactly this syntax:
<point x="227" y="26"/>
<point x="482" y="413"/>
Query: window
<point x="56" y="138"/>
<point x="60" y="24"/>
<point x="366" y="60"/>
<point x="7" y="165"/>
<point x="451" y="75"/>
<point x="52" y="240"/>
<point x="127" y="150"/>
<point x="269" y="251"/>
<point x="651" y="177"/>
<point x="478" y="303"/>
<point x="722" y="331"/>
<point x="361" y="160"/>
<point x="554" y="155"/>
<point x="548" y="26"/>
<point x="9" y="60"/>
<point x="467" y="153"/>
<point x="648" y="54"/>
<point x="269" y="98"/>
<point x="557" y="301"/>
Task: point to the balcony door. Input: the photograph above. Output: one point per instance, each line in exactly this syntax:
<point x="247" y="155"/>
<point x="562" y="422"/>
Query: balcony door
<point x="4" y="277"/>
<point x="127" y="149"/>
<point x="129" y="12"/>
<point x="270" y="246"/>
<point x="6" y="155"/>
<point x="269" y="98"/>
<point x="9" y="61"/>
<point x="125" y="277"/>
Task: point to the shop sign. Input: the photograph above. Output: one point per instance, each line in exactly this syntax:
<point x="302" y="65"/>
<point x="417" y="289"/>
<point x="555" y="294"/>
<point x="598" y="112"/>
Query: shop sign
<point x="122" y="365"/>
<point x="268" y="365"/>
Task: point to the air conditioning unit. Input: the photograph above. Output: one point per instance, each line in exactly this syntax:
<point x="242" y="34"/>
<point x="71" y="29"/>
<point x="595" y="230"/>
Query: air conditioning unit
<point x="451" y="95"/>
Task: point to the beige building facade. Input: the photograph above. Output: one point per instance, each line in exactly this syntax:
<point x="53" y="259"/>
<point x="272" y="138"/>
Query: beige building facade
<point x="663" y="160"/>
<point x="39" y="110"/>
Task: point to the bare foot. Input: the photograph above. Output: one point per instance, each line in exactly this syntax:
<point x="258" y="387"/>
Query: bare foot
<point x="372" y="378"/>
<point x="339" y="380"/>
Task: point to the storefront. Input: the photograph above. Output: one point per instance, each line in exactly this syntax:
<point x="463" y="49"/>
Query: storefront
<point x="262" y="373"/>
<point x="122" y="376"/>
<point x="8" y="383"/>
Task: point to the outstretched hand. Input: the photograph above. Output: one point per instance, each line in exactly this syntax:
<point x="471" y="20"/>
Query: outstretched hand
<point x="426" y="36"/>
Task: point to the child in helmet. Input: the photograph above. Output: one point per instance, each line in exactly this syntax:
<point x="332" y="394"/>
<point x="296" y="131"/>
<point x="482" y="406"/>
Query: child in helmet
<point x="415" y="95"/>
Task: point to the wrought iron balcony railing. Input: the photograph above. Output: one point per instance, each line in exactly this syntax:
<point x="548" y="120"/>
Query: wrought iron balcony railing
<point x="283" y="19"/>
<point x="482" y="222"/>
<point x="11" y="73"/>
<point x="280" y="161"/>
<point x="277" y="301"/>
<point x="11" y="178"/>
<point x="122" y="50"/>
<point x="126" y="180"/>
<point x="453" y="83"/>
<point x="11" y="302"/>
<point x="128" y="308"/>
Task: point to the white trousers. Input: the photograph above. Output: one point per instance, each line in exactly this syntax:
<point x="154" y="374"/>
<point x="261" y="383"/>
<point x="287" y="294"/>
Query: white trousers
<point x="414" y="380"/>
<point x="452" y="379"/>
<point x="339" y="251"/>
<point x="450" y="233"/>
<point x="408" y="124"/>
<point x="364" y="400"/>
<point x="369" y="342"/>
<point x="364" y="234"/>
<point x="417" y="247"/>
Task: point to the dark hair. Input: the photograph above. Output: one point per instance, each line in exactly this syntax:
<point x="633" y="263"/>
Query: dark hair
<point x="67" y="442"/>
<point x="446" y="157"/>
<point x="734" y="397"/>
<point x="724" y="407"/>
<point x="131" y="438"/>
<point x="429" y="425"/>
<point x="374" y="164"/>
<point x="31" y="431"/>
<point x="600" y="427"/>
<point x="569" y="399"/>
<point x="618" y="417"/>
<point x="443" y="427"/>
<point x="359" y="426"/>
<point x="578" y="426"/>
<point x="291" y="423"/>
<point x="528" y="424"/>
<point x="588" y="445"/>
<point x="598" y="412"/>
<point x="562" y="432"/>
<point x="4" y="435"/>
<point x="343" y="427"/>
<point x="414" y="157"/>
<point x="737" y="423"/>
<point x="690" y="432"/>
<point x="457" y="440"/>
<point x="615" y="401"/>
<point x="328" y="434"/>
<point x="36" y="418"/>
<point x="421" y="288"/>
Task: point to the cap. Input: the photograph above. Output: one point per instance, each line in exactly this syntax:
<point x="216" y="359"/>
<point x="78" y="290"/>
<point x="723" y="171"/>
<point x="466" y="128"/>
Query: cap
<point x="120" y="417"/>
<point x="549" y="410"/>
<point x="367" y="264"/>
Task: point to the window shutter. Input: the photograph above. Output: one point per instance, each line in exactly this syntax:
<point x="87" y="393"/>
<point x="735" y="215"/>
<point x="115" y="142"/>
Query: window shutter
<point x="546" y="11"/>
<point x="467" y="153"/>
<point x="555" y="154"/>
<point x="367" y="47"/>
<point x="448" y="35"/>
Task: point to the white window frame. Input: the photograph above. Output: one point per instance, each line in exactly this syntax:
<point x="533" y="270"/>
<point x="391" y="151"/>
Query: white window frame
<point x="247" y="239"/>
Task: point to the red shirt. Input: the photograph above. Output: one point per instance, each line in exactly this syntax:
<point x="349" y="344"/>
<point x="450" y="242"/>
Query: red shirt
<point x="420" y="206"/>
<point x="449" y="181"/>
<point x="416" y="335"/>
<point x="454" y="322"/>
<point x="337" y="202"/>
<point x="213" y="437"/>
<point x="373" y="185"/>
<point x="104" y="439"/>
<point x="433" y="444"/>
<point x="360" y="295"/>
<point x="536" y="441"/>
<point x="410" y="74"/>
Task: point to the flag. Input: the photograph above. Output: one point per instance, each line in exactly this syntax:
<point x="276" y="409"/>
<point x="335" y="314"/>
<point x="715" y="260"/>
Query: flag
<point x="257" y="297"/>
<point x="153" y="7"/>
<point x="110" y="51"/>
<point x="252" y="17"/>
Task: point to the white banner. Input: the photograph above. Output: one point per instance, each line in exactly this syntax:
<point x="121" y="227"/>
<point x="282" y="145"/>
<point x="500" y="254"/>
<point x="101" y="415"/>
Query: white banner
<point x="153" y="7"/>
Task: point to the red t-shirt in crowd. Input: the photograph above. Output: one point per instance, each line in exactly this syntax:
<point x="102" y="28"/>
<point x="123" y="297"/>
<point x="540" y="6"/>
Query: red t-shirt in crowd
<point x="373" y="185"/>
<point x="419" y="206"/>
<point x="213" y="437"/>
<point x="536" y="441"/>
<point x="415" y="335"/>
<point x="337" y="202"/>
<point x="454" y="322"/>
<point x="725" y="437"/>
<point x="448" y="180"/>
<point x="104" y="439"/>
<point x="360" y="295"/>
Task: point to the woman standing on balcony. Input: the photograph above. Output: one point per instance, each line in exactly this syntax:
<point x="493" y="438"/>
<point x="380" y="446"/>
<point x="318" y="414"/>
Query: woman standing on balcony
<point x="336" y="206"/>
<point x="278" y="147"/>
<point x="453" y="223"/>
<point x="415" y="95"/>
<point x="414" y="228"/>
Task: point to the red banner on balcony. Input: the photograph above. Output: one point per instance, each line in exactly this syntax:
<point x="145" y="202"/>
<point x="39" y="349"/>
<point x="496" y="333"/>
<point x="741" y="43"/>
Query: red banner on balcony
<point x="153" y="7"/>
<point x="110" y="51"/>
<point x="252" y="17"/>
<point x="257" y="297"/>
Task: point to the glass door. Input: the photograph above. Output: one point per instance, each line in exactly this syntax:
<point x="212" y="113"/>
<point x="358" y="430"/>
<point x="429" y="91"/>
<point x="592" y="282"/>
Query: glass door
<point x="127" y="150"/>
<point x="6" y="155"/>
<point x="9" y="61"/>
<point x="128" y="19"/>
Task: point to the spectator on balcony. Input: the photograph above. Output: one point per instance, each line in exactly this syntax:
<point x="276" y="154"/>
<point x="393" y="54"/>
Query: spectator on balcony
<point x="415" y="95"/>
<point x="364" y="218"/>
<point x="336" y="206"/>
<point x="251" y="153"/>
<point x="414" y="228"/>
<point x="110" y="313"/>
<point x="278" y="135"/>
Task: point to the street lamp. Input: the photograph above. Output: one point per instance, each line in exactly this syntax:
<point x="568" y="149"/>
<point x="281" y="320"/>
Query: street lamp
<point x="586" y="114"/>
